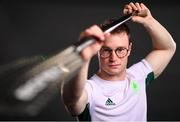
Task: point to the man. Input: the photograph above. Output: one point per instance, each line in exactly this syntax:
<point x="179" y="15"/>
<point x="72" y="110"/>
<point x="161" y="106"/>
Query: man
<point x="115" y="92"/>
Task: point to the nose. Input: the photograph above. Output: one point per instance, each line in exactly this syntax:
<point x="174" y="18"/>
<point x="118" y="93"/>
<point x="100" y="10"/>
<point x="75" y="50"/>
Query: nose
<point x="113" y="57"/>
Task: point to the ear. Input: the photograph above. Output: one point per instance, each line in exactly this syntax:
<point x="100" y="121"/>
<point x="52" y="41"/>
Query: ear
<point x="130" y="47"/>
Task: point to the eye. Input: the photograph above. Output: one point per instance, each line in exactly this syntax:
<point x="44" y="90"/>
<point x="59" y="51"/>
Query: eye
<point x="106" y="49"/>
<point x="105" y="52"/>
<point x="120" y="49"/>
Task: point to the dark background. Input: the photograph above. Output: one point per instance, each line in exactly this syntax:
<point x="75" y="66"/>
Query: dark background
<point x="33" y="27"/>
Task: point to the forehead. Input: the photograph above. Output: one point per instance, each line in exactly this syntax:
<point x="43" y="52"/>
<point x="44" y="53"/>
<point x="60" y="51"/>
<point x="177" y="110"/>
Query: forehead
<point x="117" y="40"/>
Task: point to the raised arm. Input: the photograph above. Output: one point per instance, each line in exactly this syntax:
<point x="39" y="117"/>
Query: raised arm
<point x="73" y="92"/>
<point x="163" y="44"/>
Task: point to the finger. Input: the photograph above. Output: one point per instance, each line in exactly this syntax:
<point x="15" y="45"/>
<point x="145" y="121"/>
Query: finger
<point x="106" y="35"/>
<point x="127" y="9"/>
<point x="145" y="11"/>
<point x="85" y="33"/>
<point x="127" y="6"/>
<point x="95" y="31"/>
<point x="138" y="6"/>
<point x="143" y="6"/>
<point x="133" y="6"/>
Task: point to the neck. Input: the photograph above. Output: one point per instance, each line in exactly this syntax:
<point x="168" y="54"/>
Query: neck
<point x="112" y="77"/>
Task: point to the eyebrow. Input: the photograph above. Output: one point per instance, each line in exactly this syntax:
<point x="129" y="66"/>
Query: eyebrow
<point x="105" y="47"/>
<point x="111" y="48"/>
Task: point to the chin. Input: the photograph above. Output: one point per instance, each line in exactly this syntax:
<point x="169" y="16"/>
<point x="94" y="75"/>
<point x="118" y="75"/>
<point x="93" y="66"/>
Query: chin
<point x="113" y="72"/>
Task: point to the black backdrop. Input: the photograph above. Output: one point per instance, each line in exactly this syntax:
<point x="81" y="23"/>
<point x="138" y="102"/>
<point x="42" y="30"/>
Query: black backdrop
<point x="41" y="27"/>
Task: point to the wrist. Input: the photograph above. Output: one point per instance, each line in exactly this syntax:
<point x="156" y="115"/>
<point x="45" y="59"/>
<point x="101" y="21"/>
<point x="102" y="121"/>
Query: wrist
<point x="149" y="22"/>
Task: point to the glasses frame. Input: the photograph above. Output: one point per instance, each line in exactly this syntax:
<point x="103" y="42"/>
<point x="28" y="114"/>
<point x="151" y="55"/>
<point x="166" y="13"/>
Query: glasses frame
<point x="110" y="52"/>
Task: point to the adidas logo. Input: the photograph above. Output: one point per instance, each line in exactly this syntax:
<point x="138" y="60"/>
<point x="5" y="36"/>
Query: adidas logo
<point x="109" y="102"/>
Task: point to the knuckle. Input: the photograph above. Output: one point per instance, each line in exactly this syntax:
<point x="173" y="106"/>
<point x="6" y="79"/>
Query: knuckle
<point x="87" y="31"/>
<point x="131" y="3"/>
<point x="95" y="27"/>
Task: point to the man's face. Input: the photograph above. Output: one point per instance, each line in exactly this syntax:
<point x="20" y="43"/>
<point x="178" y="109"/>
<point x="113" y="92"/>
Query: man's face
<point x="118" y="48"/>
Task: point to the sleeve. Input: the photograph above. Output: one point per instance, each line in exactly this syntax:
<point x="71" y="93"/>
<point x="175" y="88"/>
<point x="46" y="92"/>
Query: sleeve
<point x="89" y="89"/>
<point x="142" y="69"/>
<point x="85" y="115"/>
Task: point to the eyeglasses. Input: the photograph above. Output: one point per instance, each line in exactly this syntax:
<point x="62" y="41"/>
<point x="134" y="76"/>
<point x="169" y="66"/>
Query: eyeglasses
<point x="106" y="52"/>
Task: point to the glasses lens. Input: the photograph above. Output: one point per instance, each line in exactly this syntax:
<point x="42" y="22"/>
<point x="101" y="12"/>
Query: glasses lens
<point x="105" y="52"/>
<point x="121" y="52"/>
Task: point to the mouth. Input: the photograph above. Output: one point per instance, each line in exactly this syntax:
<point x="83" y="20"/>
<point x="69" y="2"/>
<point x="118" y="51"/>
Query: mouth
<point x="114" y="65"/>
